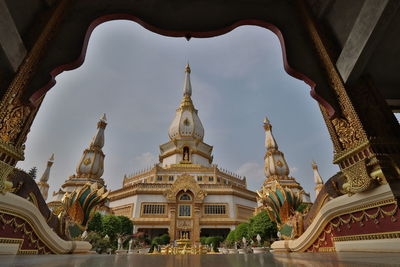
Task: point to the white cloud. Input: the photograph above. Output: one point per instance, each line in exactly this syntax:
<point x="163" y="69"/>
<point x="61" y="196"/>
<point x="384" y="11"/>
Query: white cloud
<point x="254" y="173"/>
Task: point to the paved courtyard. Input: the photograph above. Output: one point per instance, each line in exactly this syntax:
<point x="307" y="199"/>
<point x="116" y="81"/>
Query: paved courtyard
<point x="281" y="259"/>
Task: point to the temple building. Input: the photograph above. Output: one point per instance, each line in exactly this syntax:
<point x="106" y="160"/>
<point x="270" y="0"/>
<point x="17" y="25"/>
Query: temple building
<point x="184" y="194"/>
<point x="89" y="169"/>
<point x="277" y="170"/>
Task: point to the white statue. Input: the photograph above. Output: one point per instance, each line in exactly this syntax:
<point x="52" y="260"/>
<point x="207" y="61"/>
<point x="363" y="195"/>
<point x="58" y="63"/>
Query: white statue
<point x="84" y="235"/>
<point x="244" y="242"/>
<point x="107" y="237"/>
<point x="259" y="239"/>
<point x="119" y="243"/>
<point x="130" y="245"/>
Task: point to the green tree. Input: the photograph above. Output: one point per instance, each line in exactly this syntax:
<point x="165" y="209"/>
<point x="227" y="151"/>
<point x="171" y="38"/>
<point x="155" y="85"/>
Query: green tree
<point x="96" y="224"/>
<point x="230" y="239"/>
<point x="242" y="230"/>
<point x="262" y="225"/>
<point x="32" y="172"/>
<point x="111" y="227"/>
<point x="126" y="225"/>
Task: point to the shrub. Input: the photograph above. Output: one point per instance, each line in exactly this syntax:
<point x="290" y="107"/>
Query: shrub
<point x="242" y="230"/>
<point x="165" y="239"/>
<point x="95" y="224"/>
<point x="262" y="225"/>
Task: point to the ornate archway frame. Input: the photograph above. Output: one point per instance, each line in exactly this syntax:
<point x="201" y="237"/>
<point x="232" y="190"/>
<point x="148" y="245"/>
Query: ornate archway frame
<point x="366" y="155"/>
<point x="185" y="182"/>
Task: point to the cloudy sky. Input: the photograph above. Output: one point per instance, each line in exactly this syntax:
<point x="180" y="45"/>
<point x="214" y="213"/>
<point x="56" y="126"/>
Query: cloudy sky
<point x="136" y="78"/>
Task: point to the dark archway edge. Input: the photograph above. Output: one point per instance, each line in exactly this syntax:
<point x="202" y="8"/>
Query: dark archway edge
<point x="187" y="34"/>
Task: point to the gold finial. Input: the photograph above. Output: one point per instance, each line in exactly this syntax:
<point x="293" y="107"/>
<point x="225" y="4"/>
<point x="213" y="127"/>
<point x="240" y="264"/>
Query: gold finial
<point x="103" y="118"/>
<point x="187" y="68"/>
<point x="314" y="165"/>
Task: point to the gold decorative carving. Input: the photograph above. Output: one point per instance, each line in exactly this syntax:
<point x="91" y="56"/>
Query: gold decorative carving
<point x="87" y="161"/>
<point x="184" y="183"/>
<point x="365" y="216"/>
<point x="346" y="132"/>
<point x="358" y="179"/>
<point x="184" y="224"/>
<point x="22" y="227"/>
<point x="5" y="170"/>
<point x="13" y="121"/>
<point x="388" y="235"/>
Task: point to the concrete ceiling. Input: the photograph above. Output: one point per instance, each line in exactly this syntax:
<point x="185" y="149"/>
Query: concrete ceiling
<point x="364" y="33"/>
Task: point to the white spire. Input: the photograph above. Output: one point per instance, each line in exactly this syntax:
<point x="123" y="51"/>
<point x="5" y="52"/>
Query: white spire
<point x="98" y="139"/>
<point x="187" y="86"/>
<point x="91" y="164"/>
<point x="274" y="162"/>
<point x="42" y="184"/>
<point x="186" y="122"/>
<point x="317" y="178"/>
<point x="270" y="143"/>
<point x="46" y="173"/>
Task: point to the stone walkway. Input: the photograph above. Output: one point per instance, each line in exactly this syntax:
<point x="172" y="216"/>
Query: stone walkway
<point x="277" y="259"/>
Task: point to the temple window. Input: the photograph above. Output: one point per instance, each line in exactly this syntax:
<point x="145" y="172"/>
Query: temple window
<point x="215" y="209"/>
<point x="185" y="197"/>
<point x="211" y="179"/>
<point x="171" y="178"/>
<point x="199" y="178"/>
<point x="153" y="209"/>
<point x="186" y="153"/>
<point x="184" y="210"/>
<point x="159" y="178"/>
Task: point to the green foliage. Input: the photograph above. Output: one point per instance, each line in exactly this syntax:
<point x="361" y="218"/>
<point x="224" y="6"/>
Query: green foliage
<point x="99" y="244"/>
<point x="242" y="230"/>
<point x="111" y="226"/>
<point x="302" y="207"/>
<point x="32" y="172"/>
<point x="95" y="224"/>
<point x="203" y="240"/>
<point x="126" y="225"/>
<point x="262" y="225"/>
<point x="213" y="241"/>
<point x="259" y="224"/>
<point x="165" y="239"/>
<point x="230" y="239"/>
<point x="74" y="231"/>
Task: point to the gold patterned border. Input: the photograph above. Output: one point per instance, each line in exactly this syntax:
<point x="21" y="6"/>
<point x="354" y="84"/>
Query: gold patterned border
<point x="359" y="208"/>
<point x="9" y="212"/>
<point x="388" y="235"/>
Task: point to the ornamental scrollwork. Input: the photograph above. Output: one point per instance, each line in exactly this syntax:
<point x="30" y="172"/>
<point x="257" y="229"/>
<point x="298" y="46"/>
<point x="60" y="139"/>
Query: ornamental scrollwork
<point x="184" y="183"/>
<point x="358" y="179"/>
<point x="13" y="122"/>
<point x="347" y="134"/>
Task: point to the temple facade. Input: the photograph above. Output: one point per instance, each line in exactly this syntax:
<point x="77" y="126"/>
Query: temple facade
<point x="184" y="194"/>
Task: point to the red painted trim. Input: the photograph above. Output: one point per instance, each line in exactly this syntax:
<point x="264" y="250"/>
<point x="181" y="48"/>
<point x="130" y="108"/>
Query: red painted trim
<point x="187" y="34"/>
